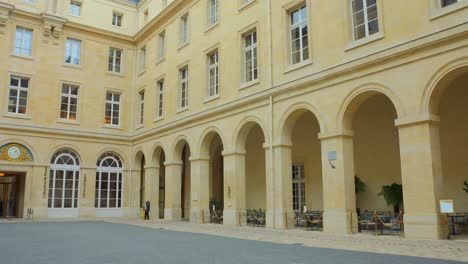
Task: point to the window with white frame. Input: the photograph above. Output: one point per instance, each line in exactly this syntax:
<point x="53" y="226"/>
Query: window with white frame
<point x="365" y="18"/>
<point x="161" y="98"/>
<point x="212" y="12"/>
<point x="141" y="95"/>
<point x="75" y="8"/>
<point x="299" y="35"/>
<point x="73" y="52"/>
<point x="64" y="180"/>
<point x="117" y="19"/>
<point x="18" y="96"/>
<point x="213" y="73"/>
<point x="142" y="58"/>
<point x="69" y="102"/>
<point x="112" y="113"/>
<point x="23" y="41"/>
<point x="162" y="45"/>
<point x="250" y="57"/>
<point x="298" y="182"/>
<point x="184" y="30"/>
<point x="184" y="83"/>
<point x="445" y="3"/>
<point x="115" y="60"/>
<point x="108" y="181"/>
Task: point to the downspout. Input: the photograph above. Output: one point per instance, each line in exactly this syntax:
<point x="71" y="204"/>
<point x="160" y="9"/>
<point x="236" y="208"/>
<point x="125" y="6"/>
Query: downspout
<point x="270" y="53"/>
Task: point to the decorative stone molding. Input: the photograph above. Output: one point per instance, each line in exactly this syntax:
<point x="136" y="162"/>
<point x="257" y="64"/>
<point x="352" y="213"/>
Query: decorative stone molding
<point x="5" y="10"/>
<point x="52" y="25"/>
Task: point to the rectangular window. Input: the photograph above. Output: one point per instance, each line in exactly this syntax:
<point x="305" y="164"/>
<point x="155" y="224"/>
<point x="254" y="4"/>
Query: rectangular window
<point x="142" y="107"/>
<point x="117" y="19"/>
<point x="112" y="114"/>
<point x="142" y="58"/>
<point x="23" y="41"/>
<point x="161" y="98"/>
<point x="75" y="8"/>
<point x="299" y="35"/>
<point x="73" y="52"/>
<point x="115" y="60"/>
<point x="184" y="87"/>
<point x="365" y="18"/>
<point x="162" y="45"/>
<point x="18" y="97"/>
<point x="250" y="57"/>
<point x="445" y="3"/>
<point x="184" y="37"/>
<point x="69" y="102"/>
<point x="298" y="179"/>
<point x="213" y="12"/>
<point x="213" y="73"/>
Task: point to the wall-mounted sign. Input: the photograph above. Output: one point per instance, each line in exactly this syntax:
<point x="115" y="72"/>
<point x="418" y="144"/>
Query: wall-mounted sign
<point x="332" y="155"/>
<point x="446" y="206"/>
<point x="15" y="152"/>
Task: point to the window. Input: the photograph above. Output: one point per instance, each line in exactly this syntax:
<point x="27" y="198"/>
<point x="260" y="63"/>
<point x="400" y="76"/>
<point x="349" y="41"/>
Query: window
<point x="250" y="57"/>
<point x="365" y="18"/>
<point x="75" y="8"/>
<point x="183" y="87"/>
<point x="108" y="182"/>
<point x="213" y="73"/>
<point x="142" y="58"/>
<point x="213" y="12"/>
<point x="69" y="102"/>
<point x="184" y="37"/>
<point x="18" y="98"/>
<point x="23" y="41"/>
<point x="161" y="98"/>
<point x="142" y="107"/>
<point x="117" y="19"/>
<point x="112" y="113"/>
<point x="73" y="52"/>
<point x="162" y="45"/>
<point x="445" y="3"/>
<point x="115" y="60"/>
<point x="298" y="178"/>
<point x="64" y="180"/>
<point x="299" y="35"/>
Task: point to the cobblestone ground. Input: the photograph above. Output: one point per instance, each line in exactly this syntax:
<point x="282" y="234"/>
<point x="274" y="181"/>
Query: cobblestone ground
<point x="133" y="241"/>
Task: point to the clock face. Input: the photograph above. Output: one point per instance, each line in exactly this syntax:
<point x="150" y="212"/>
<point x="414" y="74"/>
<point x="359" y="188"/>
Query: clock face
<point x="14" y="152"/>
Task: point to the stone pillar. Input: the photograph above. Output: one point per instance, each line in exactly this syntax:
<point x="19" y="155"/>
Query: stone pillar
<point x="152" y="189"/>
<point x="421" y="168"/>
<point x="200" y="188"/>
<point x="173" y="206"/>
<point x="132" y="190"/>
<point x="234" y="189"/>
<point x="270" y="188"/>
<point x="59" y="9"/>
<point x="87" y="193"/>
<point x="283" y="211"/>
<point x="339" y="196"/>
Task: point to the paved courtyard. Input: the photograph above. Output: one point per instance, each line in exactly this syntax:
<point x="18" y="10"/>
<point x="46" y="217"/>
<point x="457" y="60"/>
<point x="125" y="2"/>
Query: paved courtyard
<point x="104" y="242"/>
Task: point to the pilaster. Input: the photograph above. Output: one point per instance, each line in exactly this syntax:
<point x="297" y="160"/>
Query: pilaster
<point x="173" y="206"/>
<point x="200" y="184"/>
<point x="234" y="189"/>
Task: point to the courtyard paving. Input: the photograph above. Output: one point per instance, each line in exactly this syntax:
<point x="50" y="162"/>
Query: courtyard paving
<point x="133" y="241"/>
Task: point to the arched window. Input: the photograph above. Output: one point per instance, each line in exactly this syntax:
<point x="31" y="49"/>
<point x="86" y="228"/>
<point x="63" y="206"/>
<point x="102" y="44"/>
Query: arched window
<point x="64" y="180"/>
<point x="109" y="181"/>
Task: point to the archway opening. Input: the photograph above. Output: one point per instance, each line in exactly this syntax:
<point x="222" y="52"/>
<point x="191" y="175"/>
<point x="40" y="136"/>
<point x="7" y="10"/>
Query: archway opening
<point x="453" y="113"/>
<point x="377" y="165"/>
<point x="162" y="184"/>
<point x="185" y="183"/>
<point x="216" y="174"/>
<point x="301" y="130"/>
<point x="142" y="182"/>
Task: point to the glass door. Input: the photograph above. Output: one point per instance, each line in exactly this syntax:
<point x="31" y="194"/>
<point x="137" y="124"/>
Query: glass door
<point x="8" y="200"/>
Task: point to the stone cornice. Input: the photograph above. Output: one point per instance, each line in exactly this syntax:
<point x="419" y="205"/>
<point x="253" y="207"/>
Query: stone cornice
<point x="52" y="25"/>
<point x="5" y="10"/>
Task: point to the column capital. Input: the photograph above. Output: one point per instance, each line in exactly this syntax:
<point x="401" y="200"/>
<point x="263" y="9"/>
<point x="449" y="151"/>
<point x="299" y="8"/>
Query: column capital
<point x="417" y="120"/>
<point x="282" y="145"/>
<point x="5" y="10"/>
<point x="336" y="134"/>
<point x="152" y="166"/>
<point x="173" y="163"/>
<point x="232" y="153"/>
<point x="200" y="158"/>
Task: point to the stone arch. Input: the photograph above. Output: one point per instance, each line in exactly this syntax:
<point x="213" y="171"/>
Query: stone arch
<point x="290" y="117"/>
<point x="24" y="144"/>
<point x="439" y="82"/>
<point x="358" y="96"/>
<point x="157" y="150"/>
<point x="115" y="151"/>
<point x="242" y="131"/>
<point x="69" y="147"/>
<point x="178" y="147"/>
<point x="207" y="138"/>
<point x="137" y="157"/>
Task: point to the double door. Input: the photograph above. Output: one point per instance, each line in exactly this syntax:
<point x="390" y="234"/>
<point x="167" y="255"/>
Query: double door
<point x="8" y="200"/>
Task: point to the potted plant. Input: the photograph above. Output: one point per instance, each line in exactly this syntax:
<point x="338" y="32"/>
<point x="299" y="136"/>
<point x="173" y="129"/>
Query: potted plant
<point x="393" y="195"/>
<point x="359" y="187"/>
<point x="466" y="187"/>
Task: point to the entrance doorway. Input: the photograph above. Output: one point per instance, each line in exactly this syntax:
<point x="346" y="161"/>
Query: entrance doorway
<point x="11" y="189"/>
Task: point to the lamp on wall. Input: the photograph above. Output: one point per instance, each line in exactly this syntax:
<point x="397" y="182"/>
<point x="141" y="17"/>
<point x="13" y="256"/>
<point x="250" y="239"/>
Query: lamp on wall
<point x="331" y="158"/>
<point x="2" y="174"/>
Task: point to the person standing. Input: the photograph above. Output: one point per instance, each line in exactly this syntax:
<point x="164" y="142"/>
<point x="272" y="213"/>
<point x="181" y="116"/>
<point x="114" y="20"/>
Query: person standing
<point x="147" y="210"/>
